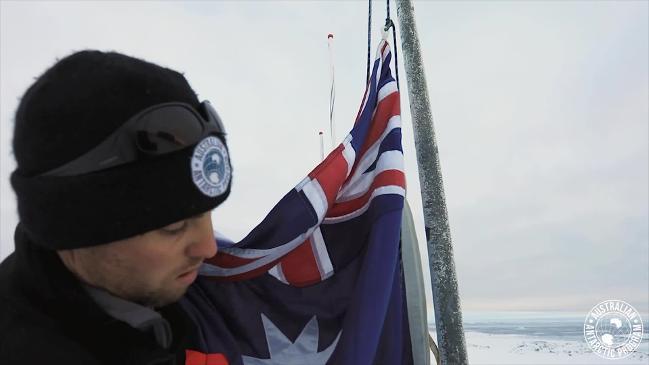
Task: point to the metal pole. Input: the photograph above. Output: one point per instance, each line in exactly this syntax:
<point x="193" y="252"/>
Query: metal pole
<point x="448" y="315"/>
<point x="332" y="92"/>
<point x="321" y="146"/>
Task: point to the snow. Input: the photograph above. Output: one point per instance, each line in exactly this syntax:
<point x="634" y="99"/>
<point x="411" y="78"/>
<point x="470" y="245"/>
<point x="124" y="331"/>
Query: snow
<point x="535" y="338"/>
<point x="503" y="349"/>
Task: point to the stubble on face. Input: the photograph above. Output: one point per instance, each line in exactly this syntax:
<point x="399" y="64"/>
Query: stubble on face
<point x="138" y="274"/>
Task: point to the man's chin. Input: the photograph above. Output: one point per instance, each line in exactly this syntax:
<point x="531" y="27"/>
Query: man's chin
<point x="161" y="299"/>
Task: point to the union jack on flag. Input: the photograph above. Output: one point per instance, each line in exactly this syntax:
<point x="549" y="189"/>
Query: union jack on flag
<point x="319" y="280"/>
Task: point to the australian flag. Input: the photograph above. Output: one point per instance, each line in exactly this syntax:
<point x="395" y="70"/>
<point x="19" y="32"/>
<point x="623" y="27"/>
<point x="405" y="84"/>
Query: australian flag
<point x="319" y="280"/>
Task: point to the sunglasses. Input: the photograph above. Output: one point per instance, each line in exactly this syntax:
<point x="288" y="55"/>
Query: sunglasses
<point x="157" y="130"/>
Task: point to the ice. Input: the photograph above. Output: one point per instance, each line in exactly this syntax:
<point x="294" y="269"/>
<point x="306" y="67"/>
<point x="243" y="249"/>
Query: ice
<point x="486" y="348"/>
<point x="535" y="338"/>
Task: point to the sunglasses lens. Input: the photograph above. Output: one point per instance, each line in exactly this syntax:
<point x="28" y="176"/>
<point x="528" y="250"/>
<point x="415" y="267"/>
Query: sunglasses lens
<point x="161" y="129"/>
<point x="168" y="129"/>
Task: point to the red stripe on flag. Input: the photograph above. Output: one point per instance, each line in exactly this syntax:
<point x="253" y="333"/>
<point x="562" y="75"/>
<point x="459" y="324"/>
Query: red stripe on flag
<point x="367" y="87"/>
<point x="245" y="275"/>
<point x="385" y="178"/>
<point x="228" y="261"/>
<point x="387" y="108"/>
<point x="385" y="45"/>
<point x="332" y="156"/>
<point x="300" y="267"/>
<point x="383" y="56"/>
<point x="331" y="174"/>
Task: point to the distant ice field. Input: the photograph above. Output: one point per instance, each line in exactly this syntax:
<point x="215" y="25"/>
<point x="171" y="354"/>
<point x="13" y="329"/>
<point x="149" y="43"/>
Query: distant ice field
<point x="535" y="338"/>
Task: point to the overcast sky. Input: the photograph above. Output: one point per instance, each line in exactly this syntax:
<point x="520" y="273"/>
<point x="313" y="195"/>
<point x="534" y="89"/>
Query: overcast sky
<point x="540" y="111"/>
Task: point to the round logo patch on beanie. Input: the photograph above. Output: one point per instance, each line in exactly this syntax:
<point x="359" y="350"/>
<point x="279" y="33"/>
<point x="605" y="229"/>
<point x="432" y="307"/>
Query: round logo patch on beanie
<point x="210" y="167"/>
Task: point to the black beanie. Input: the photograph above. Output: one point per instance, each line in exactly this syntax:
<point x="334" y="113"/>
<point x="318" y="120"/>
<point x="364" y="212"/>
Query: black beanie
<point x="69" y="110"/>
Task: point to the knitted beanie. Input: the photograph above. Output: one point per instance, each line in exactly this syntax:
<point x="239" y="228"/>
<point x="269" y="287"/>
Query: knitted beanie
<point x="73" y="107"/>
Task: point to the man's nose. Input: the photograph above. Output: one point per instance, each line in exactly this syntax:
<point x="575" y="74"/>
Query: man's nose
<point x="203" y="243"/>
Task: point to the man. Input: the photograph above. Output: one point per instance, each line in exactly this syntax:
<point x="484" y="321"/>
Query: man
<point x="118" y="168"/>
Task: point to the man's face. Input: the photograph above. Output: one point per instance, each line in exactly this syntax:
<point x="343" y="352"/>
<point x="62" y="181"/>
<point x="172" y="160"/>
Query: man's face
<point x="152" y="269"/>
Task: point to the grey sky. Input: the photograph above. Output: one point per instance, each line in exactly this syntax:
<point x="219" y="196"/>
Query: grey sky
<point x="540" y="111"/>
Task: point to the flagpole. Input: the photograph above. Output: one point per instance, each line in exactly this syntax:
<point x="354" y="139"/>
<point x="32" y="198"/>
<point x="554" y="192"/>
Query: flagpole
<point x="446" y="300"/>
<point x="332" y="92"/>
<point x="321" y="145"/>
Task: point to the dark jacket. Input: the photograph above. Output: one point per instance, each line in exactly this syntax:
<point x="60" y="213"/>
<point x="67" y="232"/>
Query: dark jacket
<point x="46" y="317"/>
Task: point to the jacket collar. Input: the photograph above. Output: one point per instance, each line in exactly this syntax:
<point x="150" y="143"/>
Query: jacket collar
<point x="43" y="282"/>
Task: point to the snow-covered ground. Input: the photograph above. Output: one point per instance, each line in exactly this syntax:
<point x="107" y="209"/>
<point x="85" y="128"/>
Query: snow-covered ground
<point x="505" y="338"/>
<point x="484" y="348"/>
